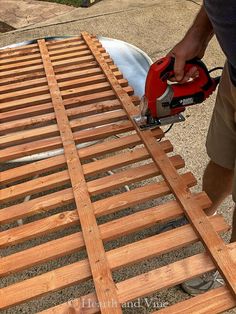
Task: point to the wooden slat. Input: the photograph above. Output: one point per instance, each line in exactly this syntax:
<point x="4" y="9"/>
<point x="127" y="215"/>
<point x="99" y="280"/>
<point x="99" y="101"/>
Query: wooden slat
<point x="21" y="50"/>
<point x="82" y="111"/>
<point x="101" y="207"/>
<point x="76" y="305"/>
<point x="213" y="243"/>
<point x="14" y="59"/>
<point x="52" y="130"/>
<point x="79" y="73"/>
<point x="26" y="84"/>
<point x="28" y="62"/>
<point x="9" y="61"/>
<point x="83" y="136"/>
<point x="40" y="95"/>
<point x="70" y="55"/>
<point x="74" y="243"/>
<point x="70" y="49"/>
<point x="129" y="176"/>
<point x="76" y="61"/>
<point x="12" y="87"/>
<point x="19" y="63"/>
<point x="66" y="68"/>
<point x="83" y="84"/>
<point x="214" y="301"/>
<point x="101" y="89"/>
<point x="64" y="43"/>
<point x="172" y="274"/>
<point x="136" y="196"/>
<point x="147" y="283"/>
<point x="52" y="45"/>
<point x="34" y="91"/>
<point x="134" y="287"/>
<point x="17" y="119"/>
<point x="47" y="107"/>
<point x="53" y="163"/>
<point x="80" y="50"/>
<point x="102" y="277"/>
<point x="97" y="186"/>
<point x="38" y="228"/>
<point x="57" y="64"/>
<point x="20" y="77"/>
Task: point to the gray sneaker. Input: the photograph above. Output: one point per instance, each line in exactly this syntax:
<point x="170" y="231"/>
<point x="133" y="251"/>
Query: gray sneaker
<point x="202" y="284"/>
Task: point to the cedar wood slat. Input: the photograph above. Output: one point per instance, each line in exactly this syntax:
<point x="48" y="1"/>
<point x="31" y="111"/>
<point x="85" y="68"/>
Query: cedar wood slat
<point x="64" y="86"/>
<point x="7" y="60"/>
<point x="47" y="107"/>
<point x="85" y="110"/>
<point x="74" y="243"/>
<point x="52" y="163"/>
<point x="95" y="187"/>
<point x="213" y="243"/>
<point x="88" y="87"/>
<point x="101" y="207"/>
<point x="122" y="256"/>
<point x="43" y="97"/>
<point x="29" y="75"/>
<point x="52" y="130"/>
<point x="214" y="301"/>
<point x="102" y="277"/>
<point x="82" y="136"/>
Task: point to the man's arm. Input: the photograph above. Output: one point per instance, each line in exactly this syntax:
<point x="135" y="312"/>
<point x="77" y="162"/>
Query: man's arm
<point x="192" y="45"/>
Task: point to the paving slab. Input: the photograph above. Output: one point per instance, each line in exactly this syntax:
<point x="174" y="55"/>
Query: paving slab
<point x="23" y="13"/>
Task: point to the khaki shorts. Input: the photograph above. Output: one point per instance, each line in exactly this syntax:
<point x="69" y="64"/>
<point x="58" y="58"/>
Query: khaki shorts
<point x="221" y="138"/>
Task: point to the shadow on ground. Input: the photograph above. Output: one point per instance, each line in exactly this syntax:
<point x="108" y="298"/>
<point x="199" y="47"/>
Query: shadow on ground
<point x="4" y="27"/>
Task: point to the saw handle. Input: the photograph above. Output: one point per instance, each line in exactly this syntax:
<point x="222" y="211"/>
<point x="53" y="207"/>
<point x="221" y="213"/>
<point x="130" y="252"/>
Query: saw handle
<point x="203" y="85"/>
<point x="163" y="69"/>
<point x="203" y="77"/>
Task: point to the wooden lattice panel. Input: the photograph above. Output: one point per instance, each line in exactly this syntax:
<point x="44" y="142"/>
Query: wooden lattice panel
<point x="55" y="95"/>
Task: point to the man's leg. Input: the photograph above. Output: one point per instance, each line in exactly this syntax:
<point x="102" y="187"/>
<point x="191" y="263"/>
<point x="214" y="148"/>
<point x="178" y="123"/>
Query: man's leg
<point x="218" y="184"/>
<point x="219" y="181"/>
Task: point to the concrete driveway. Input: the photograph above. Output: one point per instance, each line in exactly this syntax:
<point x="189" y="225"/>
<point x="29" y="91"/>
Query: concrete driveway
<point x="23" y="13"/>
<point x="154" y="26"/>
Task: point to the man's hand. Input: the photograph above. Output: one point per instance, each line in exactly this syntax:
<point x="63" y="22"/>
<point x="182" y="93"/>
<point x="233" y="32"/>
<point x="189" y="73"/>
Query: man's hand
<point x="185" y="50"/>
<point x="192" y="45"/>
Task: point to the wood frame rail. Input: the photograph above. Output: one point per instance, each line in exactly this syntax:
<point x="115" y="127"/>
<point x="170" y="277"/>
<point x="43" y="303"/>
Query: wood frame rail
<point x="67" y="100"/>
<point x="197" y="218"/>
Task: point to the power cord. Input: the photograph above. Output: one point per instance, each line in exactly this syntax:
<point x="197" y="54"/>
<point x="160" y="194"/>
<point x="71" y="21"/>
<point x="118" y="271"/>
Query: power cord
<point x="215" y="69"/>
<point x="169" y="128"/>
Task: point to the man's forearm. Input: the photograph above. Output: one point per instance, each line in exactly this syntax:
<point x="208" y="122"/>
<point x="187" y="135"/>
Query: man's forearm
<point x="192" y="45"/>
<point x="202" y="27"/>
